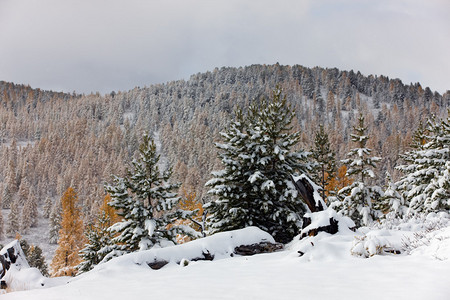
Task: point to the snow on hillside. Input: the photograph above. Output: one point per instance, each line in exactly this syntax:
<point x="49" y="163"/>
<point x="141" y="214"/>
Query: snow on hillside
<point x="320" y="267"/>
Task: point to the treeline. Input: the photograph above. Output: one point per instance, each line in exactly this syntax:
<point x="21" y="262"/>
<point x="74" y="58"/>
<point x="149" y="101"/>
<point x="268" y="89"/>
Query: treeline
<point x="255" y="187"/>
<point x="52" y="141"/>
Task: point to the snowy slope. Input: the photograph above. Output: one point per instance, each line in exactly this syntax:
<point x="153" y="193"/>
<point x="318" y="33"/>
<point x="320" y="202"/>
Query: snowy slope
<point x="326" y="270"/>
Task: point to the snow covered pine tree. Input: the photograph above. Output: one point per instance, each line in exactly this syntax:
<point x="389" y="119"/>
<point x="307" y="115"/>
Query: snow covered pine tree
<point x="359" y="198"/>
<point x="255" y="188"/>
<point x="425" y="184"/>
<point x="147" y="205"/>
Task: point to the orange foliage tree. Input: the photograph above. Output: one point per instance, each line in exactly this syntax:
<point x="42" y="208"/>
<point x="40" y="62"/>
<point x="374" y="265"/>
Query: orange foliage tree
<point x="189" y="202"/>
<point x="338" y="182"/>
<point x="71" y="238"/>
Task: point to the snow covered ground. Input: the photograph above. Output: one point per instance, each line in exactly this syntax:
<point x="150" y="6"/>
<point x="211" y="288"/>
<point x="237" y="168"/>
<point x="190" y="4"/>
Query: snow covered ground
<point x="327" y="269"/>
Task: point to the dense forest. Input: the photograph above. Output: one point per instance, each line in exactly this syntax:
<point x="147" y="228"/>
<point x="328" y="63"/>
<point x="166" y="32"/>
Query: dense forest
<point x="52" y="141"/>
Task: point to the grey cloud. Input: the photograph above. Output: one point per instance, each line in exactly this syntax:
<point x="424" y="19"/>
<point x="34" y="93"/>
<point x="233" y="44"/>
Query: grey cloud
<point x="116" y="45"/>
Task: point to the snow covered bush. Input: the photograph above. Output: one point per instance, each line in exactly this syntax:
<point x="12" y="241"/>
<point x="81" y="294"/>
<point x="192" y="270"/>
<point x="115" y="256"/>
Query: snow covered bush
<point x="371" y="244"/>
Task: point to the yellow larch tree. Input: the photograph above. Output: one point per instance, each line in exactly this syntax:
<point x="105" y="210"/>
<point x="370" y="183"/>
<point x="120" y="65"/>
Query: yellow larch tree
<point x="338" y="182"/>
<point x="189" y="202"/>
<point x="71" y="238"/>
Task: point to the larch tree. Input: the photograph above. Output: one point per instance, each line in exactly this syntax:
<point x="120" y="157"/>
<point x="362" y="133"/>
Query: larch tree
<point x="2" y="224"/>
<point x="29" y="212"/>
<point x="55" y="222"/>
<point x="47" y="207"/>
<point x="71" y="239"/>
<point x="10" y="187"/>
<point x="13" y="219"/>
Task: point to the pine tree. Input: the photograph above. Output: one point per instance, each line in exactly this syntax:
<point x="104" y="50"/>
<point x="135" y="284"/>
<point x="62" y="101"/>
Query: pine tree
<point x="424" y="184"/>
<point x="392" y="204"/>
<point x="326" y="162"/>
<point x="37" y="260"/>
<point x="233" y="208"/>
<point x="359" y="198"/>
<point x="99" y="238"/>
<point x="255" y="188"/>
<point x="34" y="257"/>
<point x="147" y="204"/>
<point x="71" y="238"/>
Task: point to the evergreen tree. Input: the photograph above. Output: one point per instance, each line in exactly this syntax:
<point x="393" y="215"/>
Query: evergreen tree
<point x="99" y="238"/>
<point x="71" y="238"/>
<point x="255" y="186"/>
<point x="34" y="257"/>
<point x="326" y="162"/>
<point x="146" y="202"/>
<point x="392" y="204"/>
<point x="424" y="184"/>
<point x="359" y="198"/>
<point x="233" y="208"/>
<point x="37" y="260"/>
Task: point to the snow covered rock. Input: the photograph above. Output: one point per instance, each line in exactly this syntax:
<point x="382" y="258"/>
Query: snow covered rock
<point x="16" y="274"/>
<point x="12" y="256"/>
<point x="327" y="221"/>
<point x="247" y="241"/>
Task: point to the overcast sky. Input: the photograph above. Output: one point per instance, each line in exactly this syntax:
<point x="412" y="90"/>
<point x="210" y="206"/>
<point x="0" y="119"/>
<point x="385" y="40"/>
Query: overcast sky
<point x="88" y="45"/>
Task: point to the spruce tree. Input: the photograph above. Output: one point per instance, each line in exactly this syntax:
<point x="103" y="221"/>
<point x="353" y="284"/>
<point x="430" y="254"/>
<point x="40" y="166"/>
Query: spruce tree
<point x="255" y="186"/>
<point x="392" y="203"/>
<point x="360" y="197"/>
<point x="146" y="201"/>
<point x="36" y="259"/>
<point x="233" y="208"/>
<point x="325" y="169"/>
<point x="99" y="238"/>
<point x="424" y="184"/>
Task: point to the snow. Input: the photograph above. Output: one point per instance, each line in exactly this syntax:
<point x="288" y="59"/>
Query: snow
<point x="327" y="269"/>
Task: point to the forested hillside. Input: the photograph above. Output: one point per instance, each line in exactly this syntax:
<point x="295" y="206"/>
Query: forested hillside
<point x="51" y="141"/>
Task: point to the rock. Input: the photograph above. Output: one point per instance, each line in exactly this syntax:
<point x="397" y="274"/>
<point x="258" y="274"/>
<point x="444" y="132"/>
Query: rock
<point x="264" y="247"/>
<point x="325" y="221"/>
